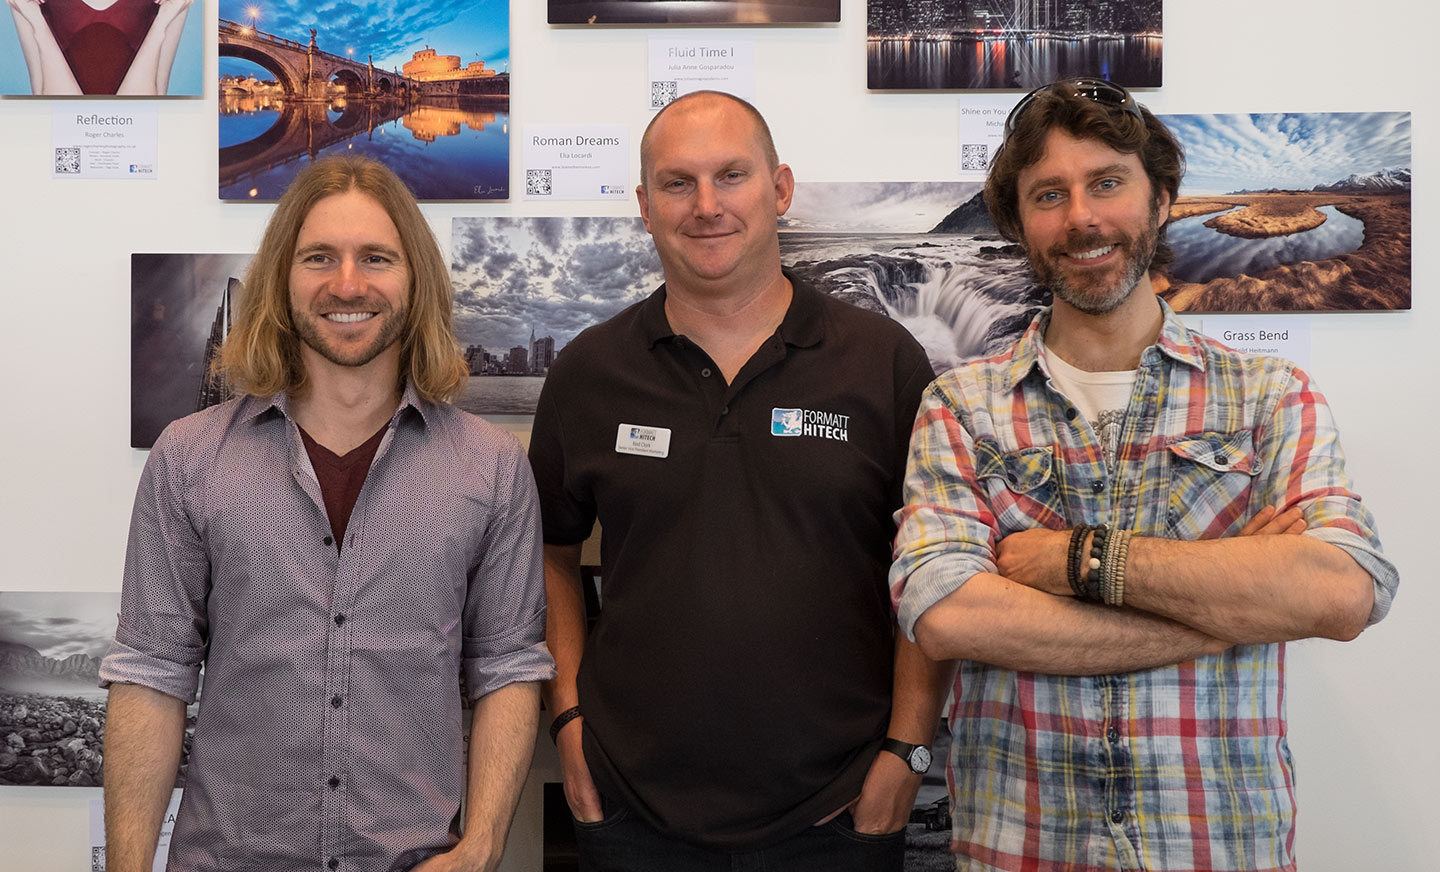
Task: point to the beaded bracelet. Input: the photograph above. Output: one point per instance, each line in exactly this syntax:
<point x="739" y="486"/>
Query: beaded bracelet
<point x="1097" y="555"/>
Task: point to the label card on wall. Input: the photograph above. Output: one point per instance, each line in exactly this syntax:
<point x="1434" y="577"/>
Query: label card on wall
<point x="982" y="126"/>
<point x="1277" y="337"/>
<point x="719" y="63"/>
<point x="97" y="833"/>
<point x="105" y="140"/>
<point x="577" y="162"/>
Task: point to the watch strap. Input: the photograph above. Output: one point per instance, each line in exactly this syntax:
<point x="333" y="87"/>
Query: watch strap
<point x="904" y="750"/>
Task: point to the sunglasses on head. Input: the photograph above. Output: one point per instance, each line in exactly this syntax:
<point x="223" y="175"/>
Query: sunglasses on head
<point x="1105" y="93"/>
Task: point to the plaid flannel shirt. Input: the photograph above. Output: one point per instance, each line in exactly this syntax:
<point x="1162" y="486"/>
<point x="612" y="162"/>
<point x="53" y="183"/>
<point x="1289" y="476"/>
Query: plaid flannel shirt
<point x="1183" y="767"/>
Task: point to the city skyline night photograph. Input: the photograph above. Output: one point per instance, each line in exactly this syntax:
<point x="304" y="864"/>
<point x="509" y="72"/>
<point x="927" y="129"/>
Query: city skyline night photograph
<point x="1012" y="44"/>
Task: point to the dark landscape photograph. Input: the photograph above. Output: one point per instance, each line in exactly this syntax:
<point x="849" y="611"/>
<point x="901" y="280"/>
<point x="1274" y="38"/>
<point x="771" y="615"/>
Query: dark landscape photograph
<point x="180" y="312"/>
<point x="52" y="710"/>
<point x="1291" y="212"/>
<point x="423" y="88"/>
<point x="623" y="12"/>
<point x="1012" y="44"/>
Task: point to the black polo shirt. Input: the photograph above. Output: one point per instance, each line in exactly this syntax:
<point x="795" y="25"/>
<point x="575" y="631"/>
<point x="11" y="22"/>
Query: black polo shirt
<point x="738" y="681"/>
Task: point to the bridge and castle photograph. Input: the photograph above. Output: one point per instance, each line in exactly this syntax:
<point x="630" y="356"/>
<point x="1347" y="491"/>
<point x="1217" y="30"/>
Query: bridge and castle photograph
<point x="427" y="92"/>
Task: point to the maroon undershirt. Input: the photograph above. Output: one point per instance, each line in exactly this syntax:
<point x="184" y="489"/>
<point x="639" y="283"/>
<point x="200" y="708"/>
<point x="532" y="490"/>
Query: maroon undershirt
<point x="341" y="477"/>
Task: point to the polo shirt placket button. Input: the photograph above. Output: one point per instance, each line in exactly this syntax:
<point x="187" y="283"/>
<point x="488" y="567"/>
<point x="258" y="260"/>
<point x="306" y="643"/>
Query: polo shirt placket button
<point x="329" y="540"/>
<point x="705" y="373"/>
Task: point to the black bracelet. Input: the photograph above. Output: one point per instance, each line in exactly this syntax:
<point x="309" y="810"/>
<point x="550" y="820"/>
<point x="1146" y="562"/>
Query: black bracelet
<point x="1097" y="567"/>
<point x="561" y="720"/>
<point x="1073" y="559"/>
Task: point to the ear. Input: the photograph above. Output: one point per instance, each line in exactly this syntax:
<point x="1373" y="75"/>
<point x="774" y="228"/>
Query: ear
<point x="643" y="199"/>
<point x="784" y="189"/>
<point x="1162" y="207"/>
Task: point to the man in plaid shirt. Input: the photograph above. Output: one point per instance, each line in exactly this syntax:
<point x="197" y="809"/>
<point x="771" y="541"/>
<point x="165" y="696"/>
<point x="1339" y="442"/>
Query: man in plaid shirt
<point x="1115" y="527"/>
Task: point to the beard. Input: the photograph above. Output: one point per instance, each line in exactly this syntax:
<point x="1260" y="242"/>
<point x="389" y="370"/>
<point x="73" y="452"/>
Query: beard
<point x="308" y="329"/>
<point x="1099" y="294"/>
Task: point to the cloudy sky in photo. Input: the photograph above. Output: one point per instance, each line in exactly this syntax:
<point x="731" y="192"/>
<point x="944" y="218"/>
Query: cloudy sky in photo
<point x="874" y="207"/>
<point x="555" y="275"/>
<point x="387" y="30"/>
<point x="59" y="625"/>
<point x="1291" y="151"/>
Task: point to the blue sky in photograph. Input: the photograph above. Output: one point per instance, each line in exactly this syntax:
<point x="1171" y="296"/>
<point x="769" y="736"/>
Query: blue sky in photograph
<point x="1291" y="151"/>
<point x="389" y="31"/>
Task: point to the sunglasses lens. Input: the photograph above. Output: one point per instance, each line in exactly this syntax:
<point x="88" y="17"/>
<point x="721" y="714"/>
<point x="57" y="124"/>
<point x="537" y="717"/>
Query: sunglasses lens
<point x="1098" y="90"/>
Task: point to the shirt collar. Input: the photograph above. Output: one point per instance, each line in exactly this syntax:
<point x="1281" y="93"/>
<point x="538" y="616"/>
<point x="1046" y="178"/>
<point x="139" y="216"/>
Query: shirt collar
<point x="1175" y="341"/>
<point x="280" y="403"/>
<point x="802" y="326"/>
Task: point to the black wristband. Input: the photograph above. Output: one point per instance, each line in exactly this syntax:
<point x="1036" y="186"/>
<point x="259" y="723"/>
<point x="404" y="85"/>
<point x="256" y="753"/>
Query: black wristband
<point x="1074" y="558"/>
<point x="561" y="720"/>
<point x="1095" y="572"/>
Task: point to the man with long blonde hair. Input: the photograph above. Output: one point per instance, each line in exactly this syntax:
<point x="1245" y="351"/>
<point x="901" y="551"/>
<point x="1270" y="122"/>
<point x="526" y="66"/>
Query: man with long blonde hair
<point x="338" y="547"/>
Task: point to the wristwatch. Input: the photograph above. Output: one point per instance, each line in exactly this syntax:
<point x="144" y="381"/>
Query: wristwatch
<point x="917" y="757"/>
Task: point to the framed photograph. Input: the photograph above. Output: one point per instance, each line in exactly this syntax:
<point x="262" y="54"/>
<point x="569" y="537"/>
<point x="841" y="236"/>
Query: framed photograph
<point x="694" y="12"/>
<point x="52" y="709"/>
<point x="71" y="48"/>
<point x="1011" y="44"/>
<point x="426" y="92"/>
<point x="1291" y="212"/>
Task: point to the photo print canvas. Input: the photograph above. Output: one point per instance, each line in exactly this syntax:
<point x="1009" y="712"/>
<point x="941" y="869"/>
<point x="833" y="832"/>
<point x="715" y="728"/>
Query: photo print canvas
<point x="1291" y="212"/>
<point x="52" y="709"/>
<point x="133" y="48"/>
<point x="922" y="253"/>
<point x="1011" y="44"/>
<point x="423" y="88"/>
<point x="701" y="12"/>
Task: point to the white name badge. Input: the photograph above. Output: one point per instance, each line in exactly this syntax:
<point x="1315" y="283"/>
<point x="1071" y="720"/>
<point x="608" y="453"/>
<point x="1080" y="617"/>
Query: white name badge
<point x="647" y="441"/>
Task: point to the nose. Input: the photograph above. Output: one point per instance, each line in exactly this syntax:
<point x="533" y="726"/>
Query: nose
<point x="707" y="201"/>
<point x="1078" y="213"/>
<point x="349" y="282"/>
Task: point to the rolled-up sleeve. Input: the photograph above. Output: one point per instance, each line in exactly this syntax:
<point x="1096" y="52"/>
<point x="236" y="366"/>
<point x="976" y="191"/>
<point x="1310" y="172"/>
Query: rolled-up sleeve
<point x="947" y="533"/>
<point x="1305" y="467"/>
<point x="162" y="635"/>
<point x="504" y="620"/>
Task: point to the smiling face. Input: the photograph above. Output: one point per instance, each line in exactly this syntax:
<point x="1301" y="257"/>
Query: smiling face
<point x="711" y="198"/>
<point x="349" y="284"/>
<point x="1090" y="220"/>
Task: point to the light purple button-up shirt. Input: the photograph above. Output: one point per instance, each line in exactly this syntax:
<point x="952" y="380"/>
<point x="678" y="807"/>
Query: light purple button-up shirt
<point x="329" y="734"/>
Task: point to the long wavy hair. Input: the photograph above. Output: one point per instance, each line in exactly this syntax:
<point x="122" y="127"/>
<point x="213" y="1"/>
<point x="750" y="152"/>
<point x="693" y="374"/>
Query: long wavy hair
<point x="262" y="353"/>
<point x="1058" y="106"/>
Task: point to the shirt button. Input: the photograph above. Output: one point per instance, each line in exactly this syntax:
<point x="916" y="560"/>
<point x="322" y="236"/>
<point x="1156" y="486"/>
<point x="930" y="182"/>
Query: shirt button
<point x="1070" y="413"/>
<point x="705" y="373"/>
<point x="725" y="411"/>
<point x="1097" y="485"/>
<point x="336" y="701"/>
<point x="1221" y="459"/>
<point x="339" y="620"/>
<point x="329" y="540"/>
<point x="334" y="783"/>
<point x="1117" y="817"/>
<point x="333" y="864"/>
<point x="1112" y="734"/>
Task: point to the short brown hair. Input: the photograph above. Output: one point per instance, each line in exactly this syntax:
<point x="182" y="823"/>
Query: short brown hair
<point x="1059" y="106"/>
<point x="762" y="130"/>
<point x="262" y="353"/>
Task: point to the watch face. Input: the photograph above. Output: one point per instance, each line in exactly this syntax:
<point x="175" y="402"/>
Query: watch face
<point x="920" y="760"/>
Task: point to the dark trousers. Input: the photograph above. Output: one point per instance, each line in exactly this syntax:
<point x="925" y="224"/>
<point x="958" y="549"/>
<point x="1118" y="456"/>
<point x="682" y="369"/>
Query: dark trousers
<point x="624" y="843"/>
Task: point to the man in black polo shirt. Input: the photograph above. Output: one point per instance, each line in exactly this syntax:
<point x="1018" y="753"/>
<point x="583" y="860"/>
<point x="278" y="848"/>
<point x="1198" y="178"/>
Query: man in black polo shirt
<point x="741" y="439"/>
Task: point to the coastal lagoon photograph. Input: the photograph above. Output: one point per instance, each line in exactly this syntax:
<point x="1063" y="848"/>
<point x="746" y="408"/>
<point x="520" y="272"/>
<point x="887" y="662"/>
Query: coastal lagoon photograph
<point x="1291" y="212"/>
<point x="1011" y="44"/>
<point x="52" y="709"/>
<point x="425" y="89"/>
<point x="692" y="11"/>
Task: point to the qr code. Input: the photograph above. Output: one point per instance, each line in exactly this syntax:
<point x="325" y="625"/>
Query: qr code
<point x="974" y="157"/>
<point x="537" y="182"/>
<point x="662" y="94"/>
<point x="67" y="160"/>
<point x="97" y="859"/>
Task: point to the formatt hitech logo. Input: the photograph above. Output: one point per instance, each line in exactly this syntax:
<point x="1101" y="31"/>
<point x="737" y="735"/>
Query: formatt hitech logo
<point x="807" y="422"/>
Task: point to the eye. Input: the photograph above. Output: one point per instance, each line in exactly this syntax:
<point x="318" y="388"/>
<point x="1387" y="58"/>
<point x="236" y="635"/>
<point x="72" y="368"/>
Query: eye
<point x="1107" y="184"/>
<point x="1048" y="197"/>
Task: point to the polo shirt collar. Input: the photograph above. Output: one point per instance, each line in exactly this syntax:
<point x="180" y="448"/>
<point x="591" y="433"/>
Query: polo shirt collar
<point x="802" y="326"/>
<point x="1175" y="341"/>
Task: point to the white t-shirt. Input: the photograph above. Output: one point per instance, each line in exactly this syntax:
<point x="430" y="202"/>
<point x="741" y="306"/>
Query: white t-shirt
<point x="1102" y="397"/>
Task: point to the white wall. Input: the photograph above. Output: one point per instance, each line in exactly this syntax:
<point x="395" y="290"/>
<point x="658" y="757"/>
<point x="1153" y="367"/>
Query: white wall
<point x="1361" y="714"/>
